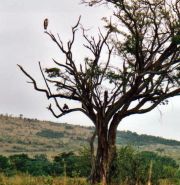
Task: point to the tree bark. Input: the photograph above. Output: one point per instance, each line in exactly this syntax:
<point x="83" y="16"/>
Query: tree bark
<point x="91" y="142"/>
<point x="104" y="155"/>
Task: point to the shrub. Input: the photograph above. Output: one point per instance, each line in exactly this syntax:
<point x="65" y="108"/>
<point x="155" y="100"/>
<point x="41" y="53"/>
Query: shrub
<point x="132" y="167"/>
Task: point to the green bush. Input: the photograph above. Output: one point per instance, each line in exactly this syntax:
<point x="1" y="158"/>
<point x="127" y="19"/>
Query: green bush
<point x="129" y="166"/>
<point x="133" y="167"/>
<point x="5" y="166"/>
<point x="73" y="165"/>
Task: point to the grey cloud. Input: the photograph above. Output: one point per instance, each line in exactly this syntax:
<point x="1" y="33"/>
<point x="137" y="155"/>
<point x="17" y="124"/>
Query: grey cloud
<point x="37" y="6"/>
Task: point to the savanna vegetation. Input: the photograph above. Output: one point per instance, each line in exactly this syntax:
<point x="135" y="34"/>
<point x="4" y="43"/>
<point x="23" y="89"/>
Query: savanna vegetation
<point x="129" y="167"/>
<point x="33" y="137"/>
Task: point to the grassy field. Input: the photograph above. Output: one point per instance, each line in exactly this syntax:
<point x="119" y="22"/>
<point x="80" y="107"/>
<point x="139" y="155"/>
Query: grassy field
<point x="23" y="179"/>
<point x="42" y="180"/>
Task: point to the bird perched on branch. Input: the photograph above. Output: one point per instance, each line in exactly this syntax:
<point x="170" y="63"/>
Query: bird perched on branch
<point x="45" y="23"/>
<point x="65" y="107"/>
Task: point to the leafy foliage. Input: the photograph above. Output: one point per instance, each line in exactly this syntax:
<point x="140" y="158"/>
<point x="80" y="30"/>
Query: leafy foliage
<point x="129" y="166"/>
<point x="53" y="72"/>
<point x="133" y="167"/>
<point x="6" y="166"/>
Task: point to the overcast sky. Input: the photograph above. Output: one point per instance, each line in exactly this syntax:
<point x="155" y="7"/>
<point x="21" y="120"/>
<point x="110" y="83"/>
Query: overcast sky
<point x="22" y="41"/>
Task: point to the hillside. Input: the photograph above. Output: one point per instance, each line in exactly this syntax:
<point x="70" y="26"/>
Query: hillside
<point x="143" y="139"/>
<point x="32" y="136"/>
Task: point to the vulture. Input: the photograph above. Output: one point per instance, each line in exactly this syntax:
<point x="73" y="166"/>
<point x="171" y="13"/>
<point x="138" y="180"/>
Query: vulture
<point x="45" y="23"/>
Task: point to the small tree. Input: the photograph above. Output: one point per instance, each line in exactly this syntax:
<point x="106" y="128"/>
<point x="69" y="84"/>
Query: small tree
<point x="145" y="38"/>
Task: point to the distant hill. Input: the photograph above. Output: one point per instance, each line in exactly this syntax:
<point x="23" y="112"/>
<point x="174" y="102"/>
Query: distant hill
<point x="129" y="137"/>
<point x="23" y="135"/>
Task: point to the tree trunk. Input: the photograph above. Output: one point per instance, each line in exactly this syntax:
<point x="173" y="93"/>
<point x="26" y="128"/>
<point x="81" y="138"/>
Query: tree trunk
<point x="104" y="155"/>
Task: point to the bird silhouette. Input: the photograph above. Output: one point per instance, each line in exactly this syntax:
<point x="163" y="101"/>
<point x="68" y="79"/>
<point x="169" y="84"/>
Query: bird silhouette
<point x="65" y="107"/>
<point x="45" y="23"/>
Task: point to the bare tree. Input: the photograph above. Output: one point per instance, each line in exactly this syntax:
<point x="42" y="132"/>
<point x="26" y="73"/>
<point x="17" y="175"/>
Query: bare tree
<point x="143" y="37"/>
